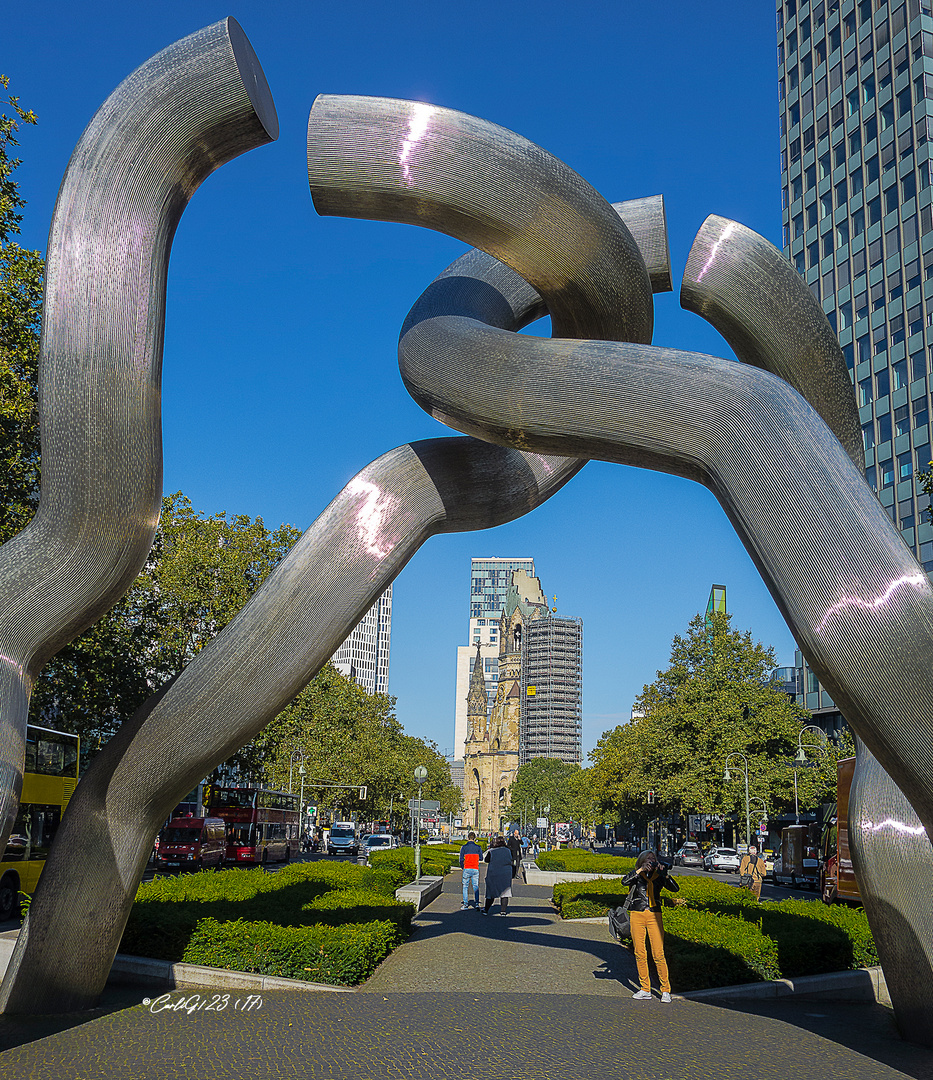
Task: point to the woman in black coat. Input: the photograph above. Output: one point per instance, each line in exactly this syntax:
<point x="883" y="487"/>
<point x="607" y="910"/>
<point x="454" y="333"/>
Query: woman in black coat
<point x="498" y="876"/>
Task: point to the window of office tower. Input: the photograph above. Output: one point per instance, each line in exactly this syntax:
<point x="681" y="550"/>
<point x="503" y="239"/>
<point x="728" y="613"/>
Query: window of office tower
<point x="855" y="77"/>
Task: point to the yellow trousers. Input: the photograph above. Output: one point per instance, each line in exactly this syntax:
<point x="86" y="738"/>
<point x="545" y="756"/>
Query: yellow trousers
<point x="648" y="924"/>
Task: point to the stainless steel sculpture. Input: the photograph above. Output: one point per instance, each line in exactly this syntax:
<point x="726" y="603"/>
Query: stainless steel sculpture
<point x="180" y="116"/>
<point x="857" y="601"/>
<point x="771" y="319"/>
<point x="317" y="594"/>
<point x="865" y="622"/>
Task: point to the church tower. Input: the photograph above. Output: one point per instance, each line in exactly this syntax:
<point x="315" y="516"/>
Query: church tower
<point x="476" y="782"/>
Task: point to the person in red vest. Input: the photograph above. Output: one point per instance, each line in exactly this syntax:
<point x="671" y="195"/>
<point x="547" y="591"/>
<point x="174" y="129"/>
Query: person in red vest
<point x="470" y="855"/>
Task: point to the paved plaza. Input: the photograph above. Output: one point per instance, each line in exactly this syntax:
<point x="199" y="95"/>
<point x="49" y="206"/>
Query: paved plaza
<point x="524" y="997"/>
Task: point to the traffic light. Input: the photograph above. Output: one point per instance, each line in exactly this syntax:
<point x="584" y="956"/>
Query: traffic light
<point x="363" y="793"/>
<point x="650" y="798"/>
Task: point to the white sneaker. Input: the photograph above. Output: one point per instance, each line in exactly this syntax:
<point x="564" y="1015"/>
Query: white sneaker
<point x="642" y="995"/>
<point x="666" y="997"/>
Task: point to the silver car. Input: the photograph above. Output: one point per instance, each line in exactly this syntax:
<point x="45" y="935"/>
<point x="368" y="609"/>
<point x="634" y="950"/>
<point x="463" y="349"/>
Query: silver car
<point x="723" y="860"/>
<point x="689" y="855"/>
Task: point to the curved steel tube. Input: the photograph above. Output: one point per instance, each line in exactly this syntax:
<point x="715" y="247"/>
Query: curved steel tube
<point x="295" y="622"/>
<point x="744" y="286"/>
<point x="185" y="112"/>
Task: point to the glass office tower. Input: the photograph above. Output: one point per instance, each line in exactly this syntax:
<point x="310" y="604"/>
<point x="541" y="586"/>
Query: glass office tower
<point x="855" y="83"/>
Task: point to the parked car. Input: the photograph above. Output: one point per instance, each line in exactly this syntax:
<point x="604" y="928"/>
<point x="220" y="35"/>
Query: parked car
<point x="722" y="860"/>
<point x="376" y="842"/>
<point x="689" y="855"/>
<point x="437" y="839"/>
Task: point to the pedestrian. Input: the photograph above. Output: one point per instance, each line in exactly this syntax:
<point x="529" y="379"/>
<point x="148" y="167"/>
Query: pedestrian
<point x="645" y="884"/>
<point x="470" y="855"/>
<point x="593" y="843"/>
<point x="752" y="871"/>
<point x="498" y="876"/>
<point x="515" y="846"/>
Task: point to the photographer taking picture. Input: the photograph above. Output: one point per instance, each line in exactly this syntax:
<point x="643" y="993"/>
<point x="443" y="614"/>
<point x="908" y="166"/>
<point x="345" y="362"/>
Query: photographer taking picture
<point x="645" y="883"/>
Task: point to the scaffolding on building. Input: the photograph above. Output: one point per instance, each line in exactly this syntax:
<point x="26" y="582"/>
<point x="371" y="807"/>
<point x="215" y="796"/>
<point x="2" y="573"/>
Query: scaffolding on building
<point x="552" y="690"/>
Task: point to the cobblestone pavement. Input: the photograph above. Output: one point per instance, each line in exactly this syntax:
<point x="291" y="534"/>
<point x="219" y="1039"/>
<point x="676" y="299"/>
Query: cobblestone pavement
<point x="472" y="998"/>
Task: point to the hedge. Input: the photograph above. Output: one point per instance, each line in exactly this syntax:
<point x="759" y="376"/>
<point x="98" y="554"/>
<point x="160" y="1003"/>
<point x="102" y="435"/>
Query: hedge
<point x="340" y="955"/>
<point x="721" y="935"/>
<point x="584" y="862"/>
<point x="399" y="863"/>
<point x="170" y="914"/>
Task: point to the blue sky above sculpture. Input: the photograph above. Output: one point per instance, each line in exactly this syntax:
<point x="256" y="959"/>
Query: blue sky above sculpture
<point x="639" y="100"/>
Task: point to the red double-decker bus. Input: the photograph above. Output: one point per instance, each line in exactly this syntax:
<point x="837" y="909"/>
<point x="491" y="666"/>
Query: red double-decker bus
<point x="262" y="825"/>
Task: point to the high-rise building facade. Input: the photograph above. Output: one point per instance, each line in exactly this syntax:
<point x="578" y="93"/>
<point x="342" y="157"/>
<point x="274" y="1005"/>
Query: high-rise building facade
<point x="856" y="106"/>
<point x="490" y="578"/>
<point x="364" y="656"/>
<point x="552" y="690"/>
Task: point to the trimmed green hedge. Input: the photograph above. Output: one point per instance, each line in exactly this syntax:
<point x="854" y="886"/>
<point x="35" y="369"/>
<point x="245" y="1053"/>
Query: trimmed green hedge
<point x="400" y="862"/>
<point x="704" y="950"/>
<point x="578" y="861"/>
<point x="339" y="955"/>
<point x="339" y="901"/>
<point x="719" y="935"/>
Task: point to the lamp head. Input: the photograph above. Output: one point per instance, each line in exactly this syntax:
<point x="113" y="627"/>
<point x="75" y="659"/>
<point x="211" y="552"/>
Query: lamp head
<point x="726" y="774"/>
<point x="801" y="757"/>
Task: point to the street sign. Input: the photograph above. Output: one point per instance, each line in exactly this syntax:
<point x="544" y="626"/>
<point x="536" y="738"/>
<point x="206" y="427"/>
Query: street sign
<point x="542" y="823"/>
<point x="763" y="828"/>
<point x="426" y="804"/>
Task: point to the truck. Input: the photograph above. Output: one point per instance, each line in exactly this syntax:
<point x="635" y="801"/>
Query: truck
<point x="343" y="839"/>
<point x="798" y="864"/>
<point x="837" y="876"/>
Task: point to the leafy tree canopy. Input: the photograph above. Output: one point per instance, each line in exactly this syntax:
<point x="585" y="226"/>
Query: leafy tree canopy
<point x="344" y="735"/>
<point x="200" y="572"/>
<point x="714" y="700"/>
<point x="21" y="285"/>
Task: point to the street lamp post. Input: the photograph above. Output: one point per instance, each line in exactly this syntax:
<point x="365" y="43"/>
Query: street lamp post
<point x="296" y="755"/>
<point x="727" y="777"/>
<point x="421" y="774"/>
<point x="302" y="772"/>
<point x="801" y="759"/>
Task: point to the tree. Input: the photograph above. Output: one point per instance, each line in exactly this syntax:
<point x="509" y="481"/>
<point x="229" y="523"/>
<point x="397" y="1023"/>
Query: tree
<point x="714" y="700"/>
<point x="544" y="782"/>
<point x="344" y="735"/>
<point x="200" y="572"/>
<point x="21" y="285"/>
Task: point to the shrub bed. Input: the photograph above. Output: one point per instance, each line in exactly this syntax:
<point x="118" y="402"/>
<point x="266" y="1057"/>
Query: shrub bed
<point x="584" y="862"/>
<point x="400" y="863"/>
<point x="718" y="935"/>
<point x="174" y="915"/>
<point x="339" y="955"/>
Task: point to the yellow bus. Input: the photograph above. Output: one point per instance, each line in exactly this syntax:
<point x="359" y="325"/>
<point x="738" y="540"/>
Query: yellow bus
<point x="49" y="779"/>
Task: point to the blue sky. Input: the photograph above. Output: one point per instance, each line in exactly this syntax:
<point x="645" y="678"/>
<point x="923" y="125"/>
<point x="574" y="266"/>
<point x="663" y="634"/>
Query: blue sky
<point x="280" y="377"/>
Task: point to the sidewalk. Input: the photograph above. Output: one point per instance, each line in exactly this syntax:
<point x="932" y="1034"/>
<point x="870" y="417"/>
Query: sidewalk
<point x="477" y="998"/>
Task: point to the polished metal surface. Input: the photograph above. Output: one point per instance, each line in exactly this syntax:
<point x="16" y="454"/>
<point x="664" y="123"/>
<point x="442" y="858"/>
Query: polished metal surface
<point x="305" y="609"/>
<point x="766" y="312"/>
<point x="166" y="128"/>
<point x="857" y="601"/>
